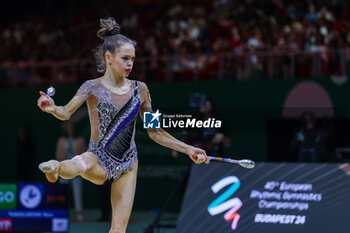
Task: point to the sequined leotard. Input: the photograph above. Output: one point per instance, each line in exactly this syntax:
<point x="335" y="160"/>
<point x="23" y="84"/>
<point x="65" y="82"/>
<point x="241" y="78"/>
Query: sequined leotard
<point x="112" y="118"/>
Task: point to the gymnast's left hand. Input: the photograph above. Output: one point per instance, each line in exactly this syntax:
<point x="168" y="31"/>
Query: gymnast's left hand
<point x="197" y="155"/>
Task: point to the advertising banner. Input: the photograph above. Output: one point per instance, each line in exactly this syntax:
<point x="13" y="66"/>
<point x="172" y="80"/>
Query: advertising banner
<point x="8" y="196"/>
<point x="272" y="198"/>
<point x="34" y="207"/>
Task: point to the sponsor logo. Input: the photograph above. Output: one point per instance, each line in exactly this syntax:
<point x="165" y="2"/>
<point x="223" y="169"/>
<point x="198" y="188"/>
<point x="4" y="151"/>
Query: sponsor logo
<point x="224" y="202"/>
<point x="156" y="120"/>
<point x="8" y="194"/>
<point x="30" y="196"/>
<point x="59" y="224"/>
<point x="151" y="120"/>
<point x="5" y="224"/>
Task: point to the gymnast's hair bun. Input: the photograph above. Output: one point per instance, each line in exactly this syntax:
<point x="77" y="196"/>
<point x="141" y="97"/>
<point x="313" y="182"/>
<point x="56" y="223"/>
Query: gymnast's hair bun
<point x="109" y="27"/>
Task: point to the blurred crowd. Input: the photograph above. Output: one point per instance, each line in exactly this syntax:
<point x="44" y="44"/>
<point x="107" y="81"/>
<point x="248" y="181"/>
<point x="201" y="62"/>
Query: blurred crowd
<point x="189" y="34"/>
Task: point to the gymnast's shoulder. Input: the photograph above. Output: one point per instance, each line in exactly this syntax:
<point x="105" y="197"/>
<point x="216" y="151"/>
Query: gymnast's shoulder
<point x="143" y="87"/>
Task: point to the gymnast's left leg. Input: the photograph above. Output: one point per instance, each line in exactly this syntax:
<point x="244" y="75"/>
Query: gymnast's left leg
<point x="86" y="165"/>
<point x="122" y="199"/>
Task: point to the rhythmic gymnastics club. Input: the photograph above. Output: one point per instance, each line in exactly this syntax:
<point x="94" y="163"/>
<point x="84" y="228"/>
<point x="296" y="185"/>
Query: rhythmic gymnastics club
<point x="247" y="163"/>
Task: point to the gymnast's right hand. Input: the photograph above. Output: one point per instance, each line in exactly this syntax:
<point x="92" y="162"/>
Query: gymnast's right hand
<point x="46" y="103"/>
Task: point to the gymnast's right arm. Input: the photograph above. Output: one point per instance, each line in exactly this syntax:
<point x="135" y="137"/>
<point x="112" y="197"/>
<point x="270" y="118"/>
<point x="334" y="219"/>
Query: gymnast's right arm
<point x="63" y="112"/>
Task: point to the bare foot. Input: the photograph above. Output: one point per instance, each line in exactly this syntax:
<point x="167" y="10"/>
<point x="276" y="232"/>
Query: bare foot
<point x="50" y="168"/>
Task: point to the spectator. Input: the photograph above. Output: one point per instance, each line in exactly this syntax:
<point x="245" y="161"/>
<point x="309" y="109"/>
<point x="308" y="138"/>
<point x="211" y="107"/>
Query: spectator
<point x="214" y="140"/>
<point x="310" y="142"/>
<point x="209" y="25"/>
<point x="69" y="145"/>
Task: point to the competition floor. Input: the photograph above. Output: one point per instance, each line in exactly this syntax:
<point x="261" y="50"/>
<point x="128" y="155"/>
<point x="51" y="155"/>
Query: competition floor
<point x="139" y="221"/>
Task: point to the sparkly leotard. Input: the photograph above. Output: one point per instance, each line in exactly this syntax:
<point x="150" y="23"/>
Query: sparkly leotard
<point x="112" y="118"/>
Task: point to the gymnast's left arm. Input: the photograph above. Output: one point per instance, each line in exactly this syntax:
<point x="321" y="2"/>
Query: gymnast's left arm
<point x="163" y="138"/>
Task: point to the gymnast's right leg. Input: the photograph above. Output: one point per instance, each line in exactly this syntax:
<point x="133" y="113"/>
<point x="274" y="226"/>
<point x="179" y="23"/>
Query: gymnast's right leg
<point x="85" y="165"/>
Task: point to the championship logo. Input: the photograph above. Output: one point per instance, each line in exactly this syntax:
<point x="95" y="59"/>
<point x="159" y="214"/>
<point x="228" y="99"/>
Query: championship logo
<point x="225" y="202"/>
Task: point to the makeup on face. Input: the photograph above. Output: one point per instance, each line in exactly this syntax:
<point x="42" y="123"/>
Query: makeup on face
<point x="125" y="58"/>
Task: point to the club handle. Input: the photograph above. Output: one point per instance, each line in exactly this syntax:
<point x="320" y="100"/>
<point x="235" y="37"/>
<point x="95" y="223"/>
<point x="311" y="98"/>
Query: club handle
<point x="215" y="158"/>
<point x="246" y="163"/>
<point x="222" y="159"/>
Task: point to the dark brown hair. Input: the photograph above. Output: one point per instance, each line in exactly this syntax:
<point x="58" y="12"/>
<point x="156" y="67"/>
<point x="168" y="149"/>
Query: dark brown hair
<point x="109" y="32"/>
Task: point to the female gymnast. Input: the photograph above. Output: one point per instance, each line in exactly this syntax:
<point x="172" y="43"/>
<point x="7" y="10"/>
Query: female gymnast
<point x="113" y="103"/>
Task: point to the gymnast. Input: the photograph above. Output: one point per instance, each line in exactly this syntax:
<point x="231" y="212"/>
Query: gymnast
<point x="113" y="102"/>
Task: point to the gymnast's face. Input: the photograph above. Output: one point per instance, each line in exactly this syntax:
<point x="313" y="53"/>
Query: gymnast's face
<point x="122" y="60"/>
